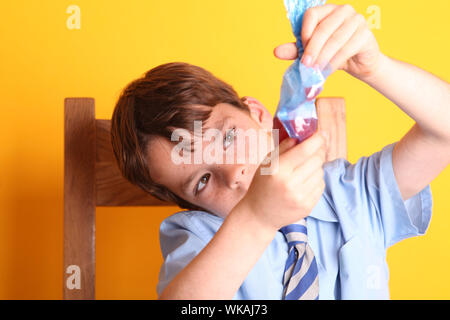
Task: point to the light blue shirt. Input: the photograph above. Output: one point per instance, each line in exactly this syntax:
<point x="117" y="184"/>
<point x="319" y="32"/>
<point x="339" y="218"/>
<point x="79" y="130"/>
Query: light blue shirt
<point x="360" y="214"/>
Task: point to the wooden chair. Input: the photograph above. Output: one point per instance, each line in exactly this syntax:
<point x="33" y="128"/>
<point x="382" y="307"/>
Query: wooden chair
<point x="92" y="178"/>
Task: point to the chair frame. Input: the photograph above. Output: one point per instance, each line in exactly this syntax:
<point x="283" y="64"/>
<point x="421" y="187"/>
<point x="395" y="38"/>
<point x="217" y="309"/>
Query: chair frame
<point x="92" y="178"/>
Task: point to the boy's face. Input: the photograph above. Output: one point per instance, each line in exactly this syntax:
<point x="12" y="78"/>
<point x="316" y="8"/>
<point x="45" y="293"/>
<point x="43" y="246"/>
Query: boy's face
<point x="218" y="186"/>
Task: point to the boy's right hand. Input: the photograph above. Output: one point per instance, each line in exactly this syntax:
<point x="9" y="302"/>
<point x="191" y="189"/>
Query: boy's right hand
<point x="292" y="192"/>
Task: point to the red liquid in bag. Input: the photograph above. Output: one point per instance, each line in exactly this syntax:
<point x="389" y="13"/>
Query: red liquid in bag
<point x="300" y="128"/>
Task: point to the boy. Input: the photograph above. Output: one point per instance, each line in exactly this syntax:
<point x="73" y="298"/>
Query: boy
<point x="229" y="244"/>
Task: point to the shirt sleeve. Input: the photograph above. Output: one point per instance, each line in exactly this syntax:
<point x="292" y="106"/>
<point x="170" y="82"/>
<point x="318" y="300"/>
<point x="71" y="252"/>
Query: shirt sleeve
<point x="367" y="199"/>
<point x="182" y="236"/>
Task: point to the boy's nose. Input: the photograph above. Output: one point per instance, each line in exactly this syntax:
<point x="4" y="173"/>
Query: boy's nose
<point x="236" y="176"/>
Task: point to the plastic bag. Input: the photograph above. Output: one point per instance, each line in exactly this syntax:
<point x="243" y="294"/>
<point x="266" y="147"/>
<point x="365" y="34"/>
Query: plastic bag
<point x="296" y="113"/>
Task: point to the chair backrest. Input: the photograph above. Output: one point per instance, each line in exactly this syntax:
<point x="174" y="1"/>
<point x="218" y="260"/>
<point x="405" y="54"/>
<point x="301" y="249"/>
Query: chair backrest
<point x="92" y="178"/>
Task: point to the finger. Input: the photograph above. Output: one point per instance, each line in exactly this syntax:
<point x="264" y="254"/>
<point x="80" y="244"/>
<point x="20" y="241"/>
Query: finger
<point x="339" y="39"/>
<point x="317" y="192"/>
<point x="298" y="153"/>
<point x="287" y="51"/>
<point x="313" y="16"/>
<point x="323" y="31"/>
<point x="286" y="144"/>
<point x="308" y="187"/>
<point x="272" y="158"/>
<point x="310" y="167"/>
<point x="351" y="48"/>
<point x="274" y="155"/>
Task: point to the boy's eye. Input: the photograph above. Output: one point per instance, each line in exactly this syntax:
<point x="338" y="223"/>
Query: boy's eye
<point x="229" y="137"/>
<point x="202" y="183"/>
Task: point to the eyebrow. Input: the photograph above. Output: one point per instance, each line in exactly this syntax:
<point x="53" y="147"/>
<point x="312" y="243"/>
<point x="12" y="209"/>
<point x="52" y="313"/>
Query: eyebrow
<point x="220" y="124"/>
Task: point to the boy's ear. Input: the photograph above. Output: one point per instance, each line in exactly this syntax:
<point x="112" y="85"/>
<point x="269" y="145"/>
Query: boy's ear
<point x="259" y="113"/>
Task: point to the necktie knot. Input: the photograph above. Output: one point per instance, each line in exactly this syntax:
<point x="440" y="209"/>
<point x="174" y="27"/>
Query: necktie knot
<point x="295" y="233"/>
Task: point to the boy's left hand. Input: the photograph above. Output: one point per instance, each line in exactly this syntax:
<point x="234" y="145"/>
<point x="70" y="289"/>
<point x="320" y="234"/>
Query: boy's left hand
<point x="338" y="35"/>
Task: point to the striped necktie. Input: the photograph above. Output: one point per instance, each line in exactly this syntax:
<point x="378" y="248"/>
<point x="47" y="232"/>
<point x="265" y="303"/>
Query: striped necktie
<point x="301" y="280"/>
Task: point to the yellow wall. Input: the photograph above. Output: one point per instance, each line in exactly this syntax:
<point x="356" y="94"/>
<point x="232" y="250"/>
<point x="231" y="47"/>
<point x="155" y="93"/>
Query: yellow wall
<point x="42" y="61"/>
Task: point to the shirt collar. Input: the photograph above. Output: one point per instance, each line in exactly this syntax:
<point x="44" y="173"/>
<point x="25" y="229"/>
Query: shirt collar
<point x="322" y="211"/>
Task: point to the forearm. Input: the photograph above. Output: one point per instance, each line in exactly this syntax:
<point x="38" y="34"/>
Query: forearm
<point x="219" y="269"/>
<point x="421" y="95"/>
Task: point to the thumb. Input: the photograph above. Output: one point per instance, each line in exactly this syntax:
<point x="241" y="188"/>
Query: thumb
<point x="286" y="51"/>
<point x="286" y="144"/>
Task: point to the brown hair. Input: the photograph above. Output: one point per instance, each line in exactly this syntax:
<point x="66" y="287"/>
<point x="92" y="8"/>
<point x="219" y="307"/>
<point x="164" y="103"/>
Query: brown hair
<point x="155" y="105"/>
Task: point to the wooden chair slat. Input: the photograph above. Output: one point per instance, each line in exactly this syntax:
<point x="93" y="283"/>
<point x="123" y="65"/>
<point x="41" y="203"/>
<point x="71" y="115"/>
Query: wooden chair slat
<point x="79" y="199"/>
